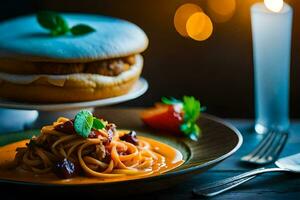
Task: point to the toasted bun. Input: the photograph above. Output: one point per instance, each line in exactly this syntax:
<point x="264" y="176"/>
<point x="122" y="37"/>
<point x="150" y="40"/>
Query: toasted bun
<point x="68" y="88"/>
<point x="23" y="38"/>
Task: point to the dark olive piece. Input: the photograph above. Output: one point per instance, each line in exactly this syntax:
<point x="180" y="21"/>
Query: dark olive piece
<point x="67" y="127"/>
<point x="130" y="137"/>
<point x="65" y="169"/>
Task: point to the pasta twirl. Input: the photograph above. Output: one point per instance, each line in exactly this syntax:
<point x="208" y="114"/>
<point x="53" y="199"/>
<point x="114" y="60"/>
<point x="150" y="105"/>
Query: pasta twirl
<point x="104" y="154"/>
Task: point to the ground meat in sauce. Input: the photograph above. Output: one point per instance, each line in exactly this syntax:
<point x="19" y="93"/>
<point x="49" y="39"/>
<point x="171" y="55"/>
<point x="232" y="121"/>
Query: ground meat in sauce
<point x="110" y="129"/>
<point x="100" y="152"/>
<point x="111" y="67"/>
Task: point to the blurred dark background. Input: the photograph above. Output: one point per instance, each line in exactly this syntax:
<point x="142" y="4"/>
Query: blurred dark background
<point x="218" y="70"/>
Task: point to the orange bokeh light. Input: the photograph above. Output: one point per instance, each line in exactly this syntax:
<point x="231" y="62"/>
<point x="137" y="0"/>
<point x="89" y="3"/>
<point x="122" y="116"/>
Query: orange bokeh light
<point x="221" y="10"/>
<point x="182" y="15"/>
<point x="199" y="26"/>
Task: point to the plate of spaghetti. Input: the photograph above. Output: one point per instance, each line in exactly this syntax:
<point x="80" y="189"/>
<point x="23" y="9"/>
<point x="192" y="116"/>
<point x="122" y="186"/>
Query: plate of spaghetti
<point x="91" y="152"/>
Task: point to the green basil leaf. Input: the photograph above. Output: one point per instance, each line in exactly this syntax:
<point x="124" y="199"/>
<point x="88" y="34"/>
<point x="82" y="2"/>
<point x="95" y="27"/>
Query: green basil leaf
<point x="62" y="25"/>
<point x="81" y="29"/>
<point x="59" y="26"/>
<point x="47" y="19"/>
<point x="83" y="123"/>
<point x="54" y="22"/>
<point x="98" y="124"/>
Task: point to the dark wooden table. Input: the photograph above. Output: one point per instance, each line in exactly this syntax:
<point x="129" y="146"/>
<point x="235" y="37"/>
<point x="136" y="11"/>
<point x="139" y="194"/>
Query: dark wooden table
<point x="267" y="186"/>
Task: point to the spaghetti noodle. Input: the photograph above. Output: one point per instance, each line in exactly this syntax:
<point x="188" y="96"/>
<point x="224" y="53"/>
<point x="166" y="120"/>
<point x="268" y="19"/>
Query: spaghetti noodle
<point x="105" y="153"/>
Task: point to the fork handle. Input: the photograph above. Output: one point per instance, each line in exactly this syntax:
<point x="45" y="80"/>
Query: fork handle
<point x="209" y="192"/>
<point x="221" y="186"/>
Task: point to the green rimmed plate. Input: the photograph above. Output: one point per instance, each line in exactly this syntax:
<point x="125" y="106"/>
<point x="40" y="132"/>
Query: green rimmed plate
<point x="219" y="140"/>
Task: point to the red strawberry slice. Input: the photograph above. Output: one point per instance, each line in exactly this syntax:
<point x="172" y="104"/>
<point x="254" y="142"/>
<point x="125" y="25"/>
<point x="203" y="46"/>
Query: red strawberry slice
<point x="163" y="117"/>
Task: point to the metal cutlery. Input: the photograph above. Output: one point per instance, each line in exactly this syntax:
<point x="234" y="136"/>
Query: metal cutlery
<point x="286" y="164"/>
<point x="268" y="149"/>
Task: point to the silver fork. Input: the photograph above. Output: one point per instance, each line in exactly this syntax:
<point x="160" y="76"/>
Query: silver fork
<point x="221" y="186"/>
<point x="289" y="164"/>
<point x="268" y="149"/>
<point x="218" y="187"/>
<point x="266" y="152"/>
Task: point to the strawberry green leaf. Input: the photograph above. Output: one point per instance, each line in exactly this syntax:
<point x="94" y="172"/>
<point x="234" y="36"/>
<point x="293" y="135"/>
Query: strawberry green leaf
<point x="191" y="110"/>
<point x="191" y="107"/>
<point x="170" y="101"/>
<point x="193" y="136"/>
<point x="191" y="130"/>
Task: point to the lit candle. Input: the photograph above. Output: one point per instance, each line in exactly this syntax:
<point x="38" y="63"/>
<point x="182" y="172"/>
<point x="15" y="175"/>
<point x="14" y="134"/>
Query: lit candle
<point x="271" y="32"/>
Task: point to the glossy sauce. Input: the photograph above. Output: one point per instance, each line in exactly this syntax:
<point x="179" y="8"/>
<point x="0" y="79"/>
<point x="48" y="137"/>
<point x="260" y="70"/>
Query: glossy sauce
<point x="7" y="153"/>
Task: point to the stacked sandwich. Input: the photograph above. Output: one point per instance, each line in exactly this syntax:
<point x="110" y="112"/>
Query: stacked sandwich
<point x="36" y="66"/>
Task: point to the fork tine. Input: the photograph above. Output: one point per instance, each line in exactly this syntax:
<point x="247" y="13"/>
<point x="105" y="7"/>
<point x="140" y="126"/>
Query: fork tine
<point x="279" y="147"/>
<point x="258" y="148"/>
<point x="265" y="158"/>
<point x="255" y="154"/>
<point x="264" y="148"/>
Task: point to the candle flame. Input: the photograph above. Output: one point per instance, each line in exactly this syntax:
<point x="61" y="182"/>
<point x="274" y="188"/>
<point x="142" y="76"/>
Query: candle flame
<point x="274" y="5"/>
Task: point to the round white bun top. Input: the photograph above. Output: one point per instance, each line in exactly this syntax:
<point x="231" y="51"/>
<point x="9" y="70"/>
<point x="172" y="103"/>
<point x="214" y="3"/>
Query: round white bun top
<point x="23" y="38"/>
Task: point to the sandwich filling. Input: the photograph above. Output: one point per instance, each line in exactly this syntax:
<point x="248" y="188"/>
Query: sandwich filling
<point x="94" y="74"/>
<point x="111" y="67"/>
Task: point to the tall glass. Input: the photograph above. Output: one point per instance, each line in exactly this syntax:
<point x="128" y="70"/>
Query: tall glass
<point x="271" y="34"/>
